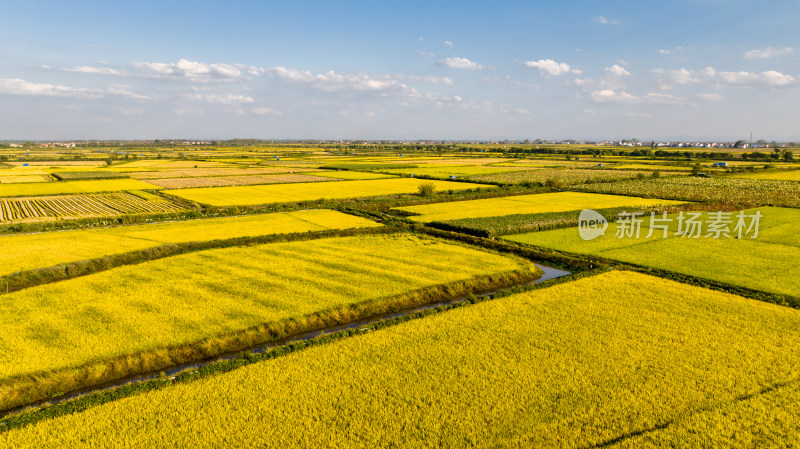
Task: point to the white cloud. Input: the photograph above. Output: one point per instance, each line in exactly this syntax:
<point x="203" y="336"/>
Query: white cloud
<point x="616" y="70"/>
<point x="427" y="54"/>
<point x="521" y="111"/>
<point x="659" y="98"/>
<point x="449" y="43"/>
<point x="198" y="71"/>
<point x="420" y="39"/>
<point x="459" y="63"/>
<point x="610" y="96"/>
<point x="548" y="67"/>
<point x="767" y="53"/>
<point x="126" y="91"/>
<point x="670" y="51"/>
<point x="769" y="78"/>
<point x="217" y="98"/>
<point x="709" y="75"/>
<point x="96" y="70"/>
<point x="589" y="111"/>
<point x="22" y="87"/>
<point x="602" y="20"/>
<point x="332" y="81"/>
<point x="430" y="79"/>
<point x="265" y="111"/>
<point x="711" y="96"/>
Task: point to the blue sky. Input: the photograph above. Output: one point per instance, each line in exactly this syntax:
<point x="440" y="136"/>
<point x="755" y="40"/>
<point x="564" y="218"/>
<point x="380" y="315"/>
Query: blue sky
<point x="683" y="69"/>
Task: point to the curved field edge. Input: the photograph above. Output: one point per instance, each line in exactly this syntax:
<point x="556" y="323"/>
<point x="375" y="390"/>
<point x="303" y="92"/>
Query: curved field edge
<point x="457" y="359"/>
<point x="29" y="416"/>
<point x="24" y="389"/>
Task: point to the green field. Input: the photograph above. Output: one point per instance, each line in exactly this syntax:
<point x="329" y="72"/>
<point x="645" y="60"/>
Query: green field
<point x="524" y="204"/>
<point x="72" y="187"/>
<point x="285" y="193"/>
<point x="605" y="359"/>
<point x="765" y="263"/>
<point x="557" y="176"/>
<point x="142" y="317"/>
<point x="28" y="251"/>
<point x="445" y="171"/>
<point x="747" y="192"/>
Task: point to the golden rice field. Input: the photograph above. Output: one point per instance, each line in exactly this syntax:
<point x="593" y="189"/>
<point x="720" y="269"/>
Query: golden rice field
<point x="146" y="316"/>
<point x="204" y="172"/>
<point x="81" y="206"/>
<point x="242" y="180"/>
<point x="73" y="187"/>
<point x="789" y="175"/>
<point x="19" y="252"/>
<point x="765" y="263"/>
<point x="15" y="179"/>
<point x="524" y="204"/>
<point x="619" y="358"/>
<point x="285" y="193"/>
<point x="346" y="174"/>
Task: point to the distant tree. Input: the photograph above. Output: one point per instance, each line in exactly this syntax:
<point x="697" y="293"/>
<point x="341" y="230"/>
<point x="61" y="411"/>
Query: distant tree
<point x="788" y="156"/>
<point x="427" y="189"/>
<point x="739" y="144"/>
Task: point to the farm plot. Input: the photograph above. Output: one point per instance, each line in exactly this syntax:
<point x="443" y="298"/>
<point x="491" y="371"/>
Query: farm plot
<point x="14" y="179"/>
<point x="205" y="172"/>
<point x="764" y="263"/>
<point x="731" y="191"/>
<point x="154" y="314"/>
<point x="80" y="206"/>
<point x="221" y="181"/>
<point x="284" y="193"/>
<point x="557" y="176"/>
<point x="87" y="175"/>
<point x="72" y="187"/>
<point x="524" y="204"/>
<point x="583" y="364"/>
<point x="789" y="175"/>
<point x="29" y="251"/>
<point x="444" y="171"/>
<point x="345" y="174"/>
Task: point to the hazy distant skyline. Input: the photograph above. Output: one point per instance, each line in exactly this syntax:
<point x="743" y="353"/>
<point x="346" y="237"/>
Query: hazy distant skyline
<point x="699" y="69"/>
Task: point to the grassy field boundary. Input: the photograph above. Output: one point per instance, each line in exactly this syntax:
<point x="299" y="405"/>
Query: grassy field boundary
<point x="77" y="405"/>
<point x="30" y="388"/>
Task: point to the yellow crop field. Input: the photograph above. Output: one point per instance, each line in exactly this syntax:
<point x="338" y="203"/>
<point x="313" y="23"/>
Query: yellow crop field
<point x="244" y="180"/>
<point x="525" y="204"/>
<point x="67" y="187"/>
<point x="134" y="317"/>
<point x="611" y="358"/>
<point x="284" y="193"/>
<point x="198" y="172"/>
<point x="346" y="174"/>
<point x="23" y="178"/>
<point x="789" y="175"/>
<point x="28" y="251"/>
